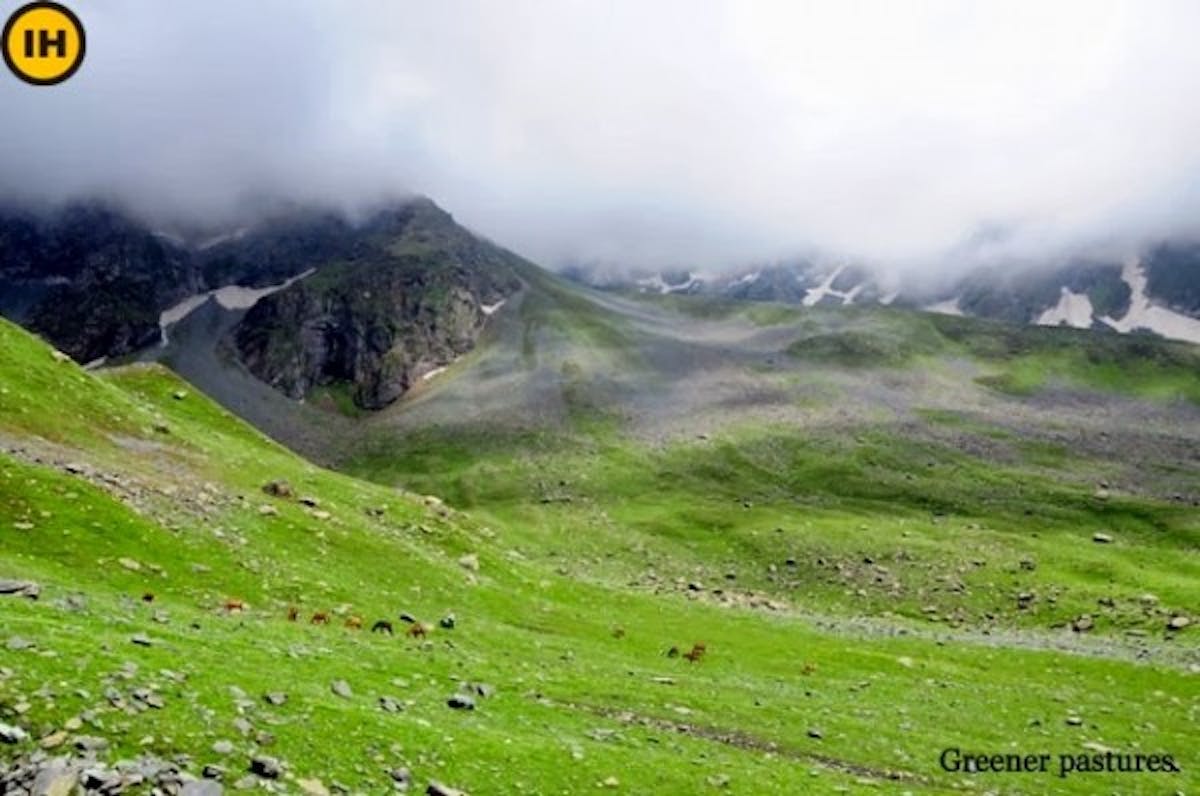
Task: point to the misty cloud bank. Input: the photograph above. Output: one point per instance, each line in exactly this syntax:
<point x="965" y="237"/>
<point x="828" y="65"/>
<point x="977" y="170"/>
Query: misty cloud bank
<point x="644" y="134"/>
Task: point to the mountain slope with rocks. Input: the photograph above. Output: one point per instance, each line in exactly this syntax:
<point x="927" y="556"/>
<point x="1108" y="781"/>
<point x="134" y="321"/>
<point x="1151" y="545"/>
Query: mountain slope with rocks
<point x="414" y="297"/>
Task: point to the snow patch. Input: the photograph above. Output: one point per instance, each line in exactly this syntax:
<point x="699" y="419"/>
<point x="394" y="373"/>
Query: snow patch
<point x="231" y="297"/>
<point x="436" y="371"/>
<point x="237" y="234"/>
<point x="888" y="298"/>
<point x="814" y="295"/>
<point x="492" y="309"/>
<point x="947" y="307"/>
<point x="1144" y="314"/>
<point x="170" y="238"/>
<point x="174" y="315"/>
<point x="748" y="279"/>
<point x="657" y="285"/>
<point x="1072" y="309"/>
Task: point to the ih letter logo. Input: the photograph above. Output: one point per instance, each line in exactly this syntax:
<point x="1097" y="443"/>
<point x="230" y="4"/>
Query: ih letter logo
<point x="43" y="43"/>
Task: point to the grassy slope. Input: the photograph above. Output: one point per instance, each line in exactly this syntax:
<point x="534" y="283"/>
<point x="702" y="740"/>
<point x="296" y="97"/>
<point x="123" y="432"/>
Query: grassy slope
<point x="904" y="525"/>
<point x="544" y="640"/>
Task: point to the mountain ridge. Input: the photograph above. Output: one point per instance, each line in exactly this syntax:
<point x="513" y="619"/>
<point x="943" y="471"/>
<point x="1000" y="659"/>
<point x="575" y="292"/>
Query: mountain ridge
<point x="1164" y="284"/>
<point x="400" y="292"/>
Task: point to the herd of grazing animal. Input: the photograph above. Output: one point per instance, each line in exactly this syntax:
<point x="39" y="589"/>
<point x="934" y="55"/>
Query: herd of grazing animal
<point x="418" y="630"/>
<point x="415" y="629"/>
<point x="694" y="655"/>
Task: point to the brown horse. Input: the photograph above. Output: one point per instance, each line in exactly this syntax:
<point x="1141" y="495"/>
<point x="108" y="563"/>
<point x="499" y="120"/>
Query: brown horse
<point x="354" y="623"/>
<point x="234" y="606"/>
<point x="320" y="618"/>
<point x="417" y="630"/>
<point x="698" y="650"/>
<point x="293" y="613"/>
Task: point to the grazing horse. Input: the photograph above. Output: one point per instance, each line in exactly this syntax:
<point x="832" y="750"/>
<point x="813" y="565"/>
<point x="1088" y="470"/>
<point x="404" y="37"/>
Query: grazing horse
<point x="673" y="652"/>
<point x="293" y="613"/>
<point x="696" y="652"/>
<point x="382" y="626"/>
<point x="354" y="623"/>
<point x="234" y="606"/>
<point x="320" y="618"/>
<point x="417" y="630"/>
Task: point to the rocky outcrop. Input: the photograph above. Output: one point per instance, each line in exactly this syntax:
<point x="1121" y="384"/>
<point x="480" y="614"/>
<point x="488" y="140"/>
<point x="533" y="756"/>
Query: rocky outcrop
<point x="88" y="278"/>
<point x="410" y="300"/>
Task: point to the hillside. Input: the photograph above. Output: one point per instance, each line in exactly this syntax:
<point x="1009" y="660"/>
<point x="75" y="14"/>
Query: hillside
<point x="881" y="526"/>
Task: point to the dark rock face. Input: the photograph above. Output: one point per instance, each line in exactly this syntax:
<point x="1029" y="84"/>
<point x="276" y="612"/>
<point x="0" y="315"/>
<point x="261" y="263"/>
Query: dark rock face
<point x="93" y="281"/>
<point x="88" y="278"/>
<point x="1173" y="276"/>
<point x="1020" y="295"/>
<point x="409" y="300"/>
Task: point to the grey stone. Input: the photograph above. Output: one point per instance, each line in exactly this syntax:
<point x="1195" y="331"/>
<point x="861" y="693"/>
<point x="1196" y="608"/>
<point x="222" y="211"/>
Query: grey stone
<point x="266" y="767"/>
<point x="55" y="780"/>
<point x="90" y="743"/>
<point x="438" y="789"/>
<point x="20" y="588"/>
<point x="341" y="688"/>
<point x="11" y="734"/>
<point x="461" y="702"/>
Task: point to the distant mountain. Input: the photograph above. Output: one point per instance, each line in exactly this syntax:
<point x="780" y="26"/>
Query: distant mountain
<point x="411" y="295"/>
<point x="359" y="312"/>
<point x="1159" y="293"/>
<point x="321" y="301"/>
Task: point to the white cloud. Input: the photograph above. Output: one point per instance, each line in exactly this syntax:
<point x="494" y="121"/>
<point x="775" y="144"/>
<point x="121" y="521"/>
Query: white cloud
<point x="647" y="132"/>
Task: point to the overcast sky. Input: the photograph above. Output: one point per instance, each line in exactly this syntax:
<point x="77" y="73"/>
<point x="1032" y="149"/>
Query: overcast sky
<point x="645" y="133"/>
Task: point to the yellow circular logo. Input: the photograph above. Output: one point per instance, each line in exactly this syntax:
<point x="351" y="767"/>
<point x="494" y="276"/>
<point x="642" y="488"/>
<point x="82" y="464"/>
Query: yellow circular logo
<point x="44" y="43"/>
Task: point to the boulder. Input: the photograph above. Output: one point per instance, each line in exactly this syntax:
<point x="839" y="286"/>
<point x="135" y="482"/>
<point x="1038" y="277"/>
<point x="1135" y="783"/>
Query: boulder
<point x="20" y="588"/>
<point x="266" y="767"/>
<point x="279" y="488"/>
<point x="55" y="780"/>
